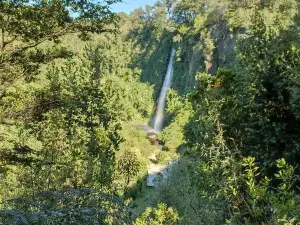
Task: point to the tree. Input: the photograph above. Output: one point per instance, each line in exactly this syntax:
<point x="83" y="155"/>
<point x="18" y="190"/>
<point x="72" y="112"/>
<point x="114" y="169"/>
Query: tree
<point x="30" y="35"/>
<point x="129" y="165"/>
<point x="270" y="61"/>
<point x="26" y="24"/>
<point x="67" y="207"/>
<point x="186" y="11"/>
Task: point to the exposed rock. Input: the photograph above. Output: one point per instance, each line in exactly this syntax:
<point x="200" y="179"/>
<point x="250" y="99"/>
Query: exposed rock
<point x="153" y="139"/>
<point x="158" y="173"/>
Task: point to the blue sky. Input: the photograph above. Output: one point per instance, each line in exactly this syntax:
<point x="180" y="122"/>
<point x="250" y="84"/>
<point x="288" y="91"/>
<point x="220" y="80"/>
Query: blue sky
<point x="129" y="5"/>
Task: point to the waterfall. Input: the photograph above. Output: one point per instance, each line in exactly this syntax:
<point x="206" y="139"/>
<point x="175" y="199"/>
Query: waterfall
<point x="159" y="116"/>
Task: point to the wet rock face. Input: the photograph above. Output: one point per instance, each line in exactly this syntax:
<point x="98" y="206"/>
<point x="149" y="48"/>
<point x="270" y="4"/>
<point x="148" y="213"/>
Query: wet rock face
<point x="157" y="173"/>
<point x="152" y="180"/>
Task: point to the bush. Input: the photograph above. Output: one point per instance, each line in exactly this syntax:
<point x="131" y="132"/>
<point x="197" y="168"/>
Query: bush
<point x="163" y="157"/>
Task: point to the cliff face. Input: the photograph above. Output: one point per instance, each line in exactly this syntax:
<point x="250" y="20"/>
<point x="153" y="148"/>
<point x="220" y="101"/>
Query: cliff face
<point x="206" y="50"/>
<point x="203" y="53"/>
<point x="224" y="52"/>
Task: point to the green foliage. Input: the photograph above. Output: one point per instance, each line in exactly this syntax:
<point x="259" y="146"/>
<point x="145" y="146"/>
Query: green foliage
<point x="135" y="140"/>
<point x="82" y="206"/>
<point x="259" y="200"/>
<point x="76" y="132"/>
<point x="27" y="24"/>
<point x="275" y="12"/>
<point x="129" y="165"/>
<point x="163" y="157"/>
<point x="180" y="110"/>
<point x="267" y="86"/>
<point x="162" y="215"/>
<point x="62" y="129"/>
<point x="242" y="115"/>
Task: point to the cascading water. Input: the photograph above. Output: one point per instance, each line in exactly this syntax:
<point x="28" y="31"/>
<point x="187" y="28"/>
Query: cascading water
<point x="159" y="116"/>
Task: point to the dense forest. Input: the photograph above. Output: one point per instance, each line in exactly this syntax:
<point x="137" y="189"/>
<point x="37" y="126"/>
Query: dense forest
<point x="78" y="80"/>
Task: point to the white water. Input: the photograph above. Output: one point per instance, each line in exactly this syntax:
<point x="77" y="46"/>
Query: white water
<point x="159" y="116"/>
